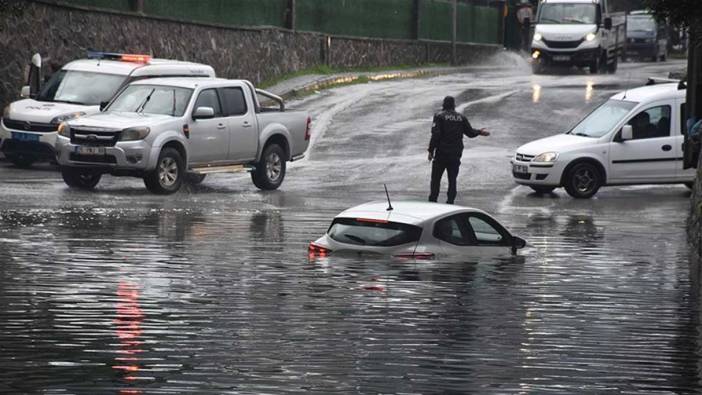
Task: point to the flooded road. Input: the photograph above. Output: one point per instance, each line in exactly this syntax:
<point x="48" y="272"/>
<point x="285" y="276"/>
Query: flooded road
<point x="211" y="290"/>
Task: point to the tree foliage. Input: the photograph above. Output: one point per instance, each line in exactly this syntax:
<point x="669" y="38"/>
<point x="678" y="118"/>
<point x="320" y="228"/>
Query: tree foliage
<point x="686" y="13"/>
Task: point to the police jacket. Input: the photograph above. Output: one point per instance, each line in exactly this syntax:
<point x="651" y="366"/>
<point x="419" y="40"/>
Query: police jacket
<point x="447" y="133"/>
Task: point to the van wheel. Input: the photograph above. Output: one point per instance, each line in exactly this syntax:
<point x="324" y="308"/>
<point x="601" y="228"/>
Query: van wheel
<point x="583" y="181"/>
<point x="168" y="175"/>
<point x="21" y="161"/>
<point x="541" y="190"/>
<point x="612" y="67"/>
<point x="596" y="65"/>
<point x="270" y="170"/>
<point x="80" y="178"/>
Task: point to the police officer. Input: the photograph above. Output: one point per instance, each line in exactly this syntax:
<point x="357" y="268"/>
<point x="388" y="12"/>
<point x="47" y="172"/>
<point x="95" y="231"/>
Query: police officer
<point x="446" y="146"/>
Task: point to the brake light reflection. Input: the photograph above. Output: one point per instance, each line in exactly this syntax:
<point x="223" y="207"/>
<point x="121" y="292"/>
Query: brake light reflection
<point x="128" y="328"/>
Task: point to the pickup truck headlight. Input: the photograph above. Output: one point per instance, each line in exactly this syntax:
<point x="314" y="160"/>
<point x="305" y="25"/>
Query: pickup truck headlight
<point x="590" y="36"/>
<point x="546" y="157"/>
<point x="132" y="134"/>
<point x="64" y="130"/>
<point x="67" y="117"/>
<point x="538" y="37"/>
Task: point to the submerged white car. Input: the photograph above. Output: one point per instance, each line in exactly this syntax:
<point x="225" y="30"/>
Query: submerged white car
<point x="416" y="230"/>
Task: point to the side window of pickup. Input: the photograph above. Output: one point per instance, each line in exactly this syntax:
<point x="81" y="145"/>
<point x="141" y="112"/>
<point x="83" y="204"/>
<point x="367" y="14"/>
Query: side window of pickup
<point x="209" y="98"/>
<point x="234" y="101"/>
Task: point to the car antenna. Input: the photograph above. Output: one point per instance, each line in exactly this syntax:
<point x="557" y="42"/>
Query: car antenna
<point x="628" y="81"/>
<point x="388" y="196"/>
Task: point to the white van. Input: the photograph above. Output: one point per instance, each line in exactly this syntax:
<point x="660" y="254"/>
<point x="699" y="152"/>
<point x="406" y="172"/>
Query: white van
<point x="635" y="137"/>
<point x="28" y="128"/>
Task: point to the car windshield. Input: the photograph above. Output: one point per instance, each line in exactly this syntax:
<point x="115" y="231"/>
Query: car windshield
<point x="565" y="13"/>
<point x="641" y="23"/>
<point x="152" y="99"/>
<point x="373" y="233"/>
<point x="81" y="87"/>
<point x="603" y="119"/>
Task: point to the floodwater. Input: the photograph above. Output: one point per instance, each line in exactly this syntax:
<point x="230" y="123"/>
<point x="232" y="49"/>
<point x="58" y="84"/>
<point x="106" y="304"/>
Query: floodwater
<point x="211" y="290"/>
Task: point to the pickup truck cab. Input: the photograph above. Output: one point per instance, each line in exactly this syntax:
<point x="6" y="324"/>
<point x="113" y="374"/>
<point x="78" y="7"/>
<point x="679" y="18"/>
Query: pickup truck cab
<point x="580" y="33"/>
<point x="633" y="138"/>
<point x="28" y="128"/>
<point x="166" y="129"/>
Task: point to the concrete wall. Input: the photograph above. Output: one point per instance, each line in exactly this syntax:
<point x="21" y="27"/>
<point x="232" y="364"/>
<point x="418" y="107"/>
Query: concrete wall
<point x="60" y="34"/>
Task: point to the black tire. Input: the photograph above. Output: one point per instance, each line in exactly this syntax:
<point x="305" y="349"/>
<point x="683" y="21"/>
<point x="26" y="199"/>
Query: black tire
<point x="583" y="180"/>
<point x="195" y="178"/>
<point x="690" y="185"/>
<point x="596" y="66"/>
<point x="80" y="178"/>
<point x="537" y="68"/>
<point x="612" y="67"/>
<point x="542" y="190"/>
<point x="168" y="175"/>
<point x="21" y="161"/>
<point x="270" y="170"/>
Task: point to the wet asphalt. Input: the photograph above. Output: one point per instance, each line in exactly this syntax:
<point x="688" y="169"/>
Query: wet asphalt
<point x="210" y="290"/>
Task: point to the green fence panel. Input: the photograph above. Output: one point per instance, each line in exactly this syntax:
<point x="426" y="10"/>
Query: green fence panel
<point x="226" y="12"/>
<point x="486" y="26"/>
<point x="118" y="5"/>
<point x="435" y="20"/>
<point x="364" y="18"/>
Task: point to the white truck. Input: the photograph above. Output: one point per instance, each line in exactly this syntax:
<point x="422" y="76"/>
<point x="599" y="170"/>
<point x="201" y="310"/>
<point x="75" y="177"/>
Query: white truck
<point x="580" y="33"/>
<point x="167" y="130"/>
<point x="28" y="127"/>
<point x="635" y="137"/>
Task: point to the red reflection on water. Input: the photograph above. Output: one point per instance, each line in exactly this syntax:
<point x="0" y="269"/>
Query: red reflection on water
<point x="128" y="328"/>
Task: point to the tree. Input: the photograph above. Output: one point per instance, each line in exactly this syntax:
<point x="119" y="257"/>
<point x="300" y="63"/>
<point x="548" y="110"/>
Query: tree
<point x="684" y="13"/>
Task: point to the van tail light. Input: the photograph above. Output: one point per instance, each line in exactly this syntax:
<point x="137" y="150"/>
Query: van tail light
<point x="308" y="129"/>
<point x="316" y="250"/>
<point x="420" y="256"/>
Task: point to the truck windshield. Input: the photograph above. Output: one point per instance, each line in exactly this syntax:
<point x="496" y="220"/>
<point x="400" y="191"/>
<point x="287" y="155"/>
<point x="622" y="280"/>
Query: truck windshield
<point x="80" y="87"/>
<point x="567" y="13"/>
<point x="373" y="233"/>
<point x="640" y="23"/>
<point x="603" y="119"/>
<point x="152" y="99"/>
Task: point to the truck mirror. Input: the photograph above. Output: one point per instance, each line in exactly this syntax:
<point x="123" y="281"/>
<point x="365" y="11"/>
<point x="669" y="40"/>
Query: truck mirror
<point x="608" y="23"/>
<point x="25" y="92"/>
<point x="627" y="133"/>
<point x="34" y="79"/>
<point x="203" y="113"/>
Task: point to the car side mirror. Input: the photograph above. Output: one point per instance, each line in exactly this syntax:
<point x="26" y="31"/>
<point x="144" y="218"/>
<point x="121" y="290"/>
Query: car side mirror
<point x="103" y="105"/>
<point x="517" y="244"/>
<point x="627" y="133"/>
<point x="203" y="113"/>
<point x="25" y="92"/>
<point x="608" y="23"/>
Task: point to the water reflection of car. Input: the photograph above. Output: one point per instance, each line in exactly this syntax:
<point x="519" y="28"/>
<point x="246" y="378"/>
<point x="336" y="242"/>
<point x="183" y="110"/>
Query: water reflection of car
<point x="416" y="230"/>
<point x="646" y="39"/>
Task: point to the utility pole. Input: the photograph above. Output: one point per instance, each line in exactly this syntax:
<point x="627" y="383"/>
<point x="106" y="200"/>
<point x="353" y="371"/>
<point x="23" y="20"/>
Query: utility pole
<point x="290" y="21"/>
<point x="453" y="32"/>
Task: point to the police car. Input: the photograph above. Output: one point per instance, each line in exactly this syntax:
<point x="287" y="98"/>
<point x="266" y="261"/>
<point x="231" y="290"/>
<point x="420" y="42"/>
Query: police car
<point x="29" y="126"/>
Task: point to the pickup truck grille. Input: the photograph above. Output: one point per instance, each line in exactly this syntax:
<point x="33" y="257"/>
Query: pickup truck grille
<point x="562" y="44"/>
<point x="524" y="158"/>
<point x="26" y="126"/>
<point x="94" y="138"/>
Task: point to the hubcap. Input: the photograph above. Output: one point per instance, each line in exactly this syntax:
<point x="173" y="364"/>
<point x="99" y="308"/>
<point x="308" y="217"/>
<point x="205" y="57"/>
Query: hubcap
<point x="167" y="172"/>
<point x="584" y="180"/>
<point x="274" y="166"/>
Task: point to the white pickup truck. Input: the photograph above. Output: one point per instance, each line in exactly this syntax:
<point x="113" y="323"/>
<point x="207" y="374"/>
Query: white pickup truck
<point x="165" y="130"/>
<point x="633" y="138"/>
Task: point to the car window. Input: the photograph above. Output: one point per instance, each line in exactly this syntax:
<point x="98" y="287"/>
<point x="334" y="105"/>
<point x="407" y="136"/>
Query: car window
<point x="209" y="98"/>
<point x="152" y="99"/>
<point x="373" y="233"/>
<point x="651" y="123"/>
<point x="453" y="230"/>
<point x="484" y="232"/>
<point x="234" y="102"/>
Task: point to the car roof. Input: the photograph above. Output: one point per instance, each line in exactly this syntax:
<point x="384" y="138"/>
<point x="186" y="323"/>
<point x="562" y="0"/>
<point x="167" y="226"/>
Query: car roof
<point x="651" y="93"/>
<point x="189" y="82"/>
<point x="153" y="67"/>
<point x="406" y="212"/>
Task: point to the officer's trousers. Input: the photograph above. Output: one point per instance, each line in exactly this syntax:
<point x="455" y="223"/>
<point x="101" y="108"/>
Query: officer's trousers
<point x="437" y="171"/>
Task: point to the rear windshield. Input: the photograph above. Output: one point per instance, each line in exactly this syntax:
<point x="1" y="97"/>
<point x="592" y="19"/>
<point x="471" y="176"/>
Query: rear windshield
<point x="373" y="233"/>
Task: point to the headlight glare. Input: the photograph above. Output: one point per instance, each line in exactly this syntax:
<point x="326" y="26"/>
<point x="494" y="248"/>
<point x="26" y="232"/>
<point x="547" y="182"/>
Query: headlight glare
<point x="538" y="37"/>
<point x="546" y="157"/>
<point x="67" y="117"/>
<point x="137" y="133"/>
<point x="590" y="36"/>
<point x="64" y="130"/>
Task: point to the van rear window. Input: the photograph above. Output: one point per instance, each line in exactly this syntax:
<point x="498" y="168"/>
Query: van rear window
<point x="358" y="231"/>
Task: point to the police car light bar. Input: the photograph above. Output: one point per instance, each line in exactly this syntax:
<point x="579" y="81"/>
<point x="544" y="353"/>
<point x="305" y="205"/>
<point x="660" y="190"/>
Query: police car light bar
<point x="136" y="58"/>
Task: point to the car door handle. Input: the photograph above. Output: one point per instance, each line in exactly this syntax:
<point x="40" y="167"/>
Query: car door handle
<point x="221" y="126"/>
<point x="246" y="125"/>
<point x="666" y="147"/>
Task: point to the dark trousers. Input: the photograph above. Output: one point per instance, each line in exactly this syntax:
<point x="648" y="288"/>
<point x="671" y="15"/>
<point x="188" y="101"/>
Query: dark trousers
<point x="437" y="171"/>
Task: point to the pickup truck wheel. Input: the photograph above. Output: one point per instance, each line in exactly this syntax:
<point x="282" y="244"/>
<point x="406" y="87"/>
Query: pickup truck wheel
<point x="168" y="175"/>
<point x="21" y="161"/>
<point x="583" y="181"/>
<point x="80" y="178"/>
<point x="270" y="171"/>
<point x="541" y="190"/>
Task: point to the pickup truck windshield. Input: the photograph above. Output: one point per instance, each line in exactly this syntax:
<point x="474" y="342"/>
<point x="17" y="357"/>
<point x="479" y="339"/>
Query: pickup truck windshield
<point x="152" y="99"/>
<point x="640" y="23"/>
<point x="373" y="233"/>
<point x="603" y="119"/>
<point x="80" y="87"/>
<point x="567" y="13"/>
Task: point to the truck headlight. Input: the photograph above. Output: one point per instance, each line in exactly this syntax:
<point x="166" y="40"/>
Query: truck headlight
<point x="590" y="36"/>
<point x="64" y="130"/>
<point x="538" y="37"/>
<point x="67" y="117"/>
<point x="546" y="157"/>
<point x="137" y="133"/>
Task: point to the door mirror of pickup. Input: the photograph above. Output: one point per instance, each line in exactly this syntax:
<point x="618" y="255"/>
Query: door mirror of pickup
<point x="608" y="23"/>
<point x="627" y="133"/>
<point x="517" y="244"/>
<point x="25" y="92"/>
<point x="203" y="113"/>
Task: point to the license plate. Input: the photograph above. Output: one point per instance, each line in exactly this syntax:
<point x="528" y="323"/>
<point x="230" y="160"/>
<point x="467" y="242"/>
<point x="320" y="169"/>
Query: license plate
<point x="90" y="150"/>
<point x="522" y="169"/>
<point x="561" y="58"/>
<point x="25" y="136"/>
